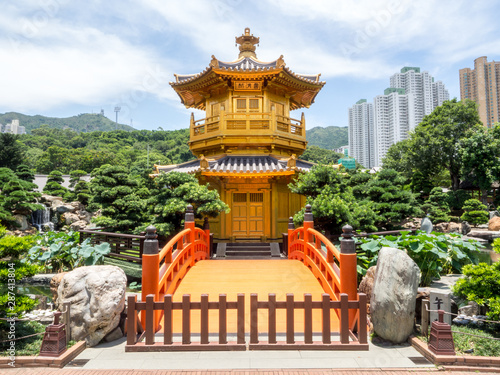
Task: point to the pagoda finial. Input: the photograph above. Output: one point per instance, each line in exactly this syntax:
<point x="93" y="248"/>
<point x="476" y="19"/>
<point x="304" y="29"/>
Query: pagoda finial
<point x="247" y="44"/>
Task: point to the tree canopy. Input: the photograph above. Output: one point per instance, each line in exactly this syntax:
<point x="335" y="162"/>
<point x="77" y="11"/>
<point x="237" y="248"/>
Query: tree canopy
<point x="435" y="143"/>
<point x="11" y="151"/>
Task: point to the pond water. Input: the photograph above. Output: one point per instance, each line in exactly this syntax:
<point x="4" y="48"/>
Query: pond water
<point x="39" y="290"/>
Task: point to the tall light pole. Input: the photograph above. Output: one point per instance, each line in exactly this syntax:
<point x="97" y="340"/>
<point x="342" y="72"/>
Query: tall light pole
<point x="117" y="109"/>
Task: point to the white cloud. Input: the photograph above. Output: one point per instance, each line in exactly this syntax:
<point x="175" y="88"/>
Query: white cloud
<point x="58" y="63"/>
<point x="60" y="52"/>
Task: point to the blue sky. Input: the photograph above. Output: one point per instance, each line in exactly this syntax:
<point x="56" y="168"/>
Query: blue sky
<point x="65" y="57"/>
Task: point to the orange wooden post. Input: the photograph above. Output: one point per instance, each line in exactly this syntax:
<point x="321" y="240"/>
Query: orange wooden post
<point x="291" y="228"/>
<point x="150" y="272"/>
<point x="348" y="268"/>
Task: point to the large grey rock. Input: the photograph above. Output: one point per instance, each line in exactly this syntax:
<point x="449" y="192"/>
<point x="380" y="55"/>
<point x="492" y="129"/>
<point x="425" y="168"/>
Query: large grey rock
<point x="97" y="297"/>
<point x="21" y="221"/>
<point x="465" y="228"/>
<point x="366" y="284"/>
<point x="494" y="214"/>
<point x="488" y="235"/>
<point x="426" y="225"/>
<point x="494" y="223"/>
<point x="472" y="308"/>
<point x="70" y="218"/>
<point x="79" y="225"/>
<point x="394" y="295"/>
<point x="454" y="228"/>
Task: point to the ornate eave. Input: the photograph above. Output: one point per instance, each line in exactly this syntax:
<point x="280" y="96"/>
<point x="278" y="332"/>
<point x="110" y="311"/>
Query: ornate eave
<point x="194" y="89"/>
<point x="239" y="166"/>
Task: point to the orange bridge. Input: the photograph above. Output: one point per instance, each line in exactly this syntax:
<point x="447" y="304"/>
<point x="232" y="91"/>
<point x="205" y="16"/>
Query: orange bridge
<point x="313" y="292"/>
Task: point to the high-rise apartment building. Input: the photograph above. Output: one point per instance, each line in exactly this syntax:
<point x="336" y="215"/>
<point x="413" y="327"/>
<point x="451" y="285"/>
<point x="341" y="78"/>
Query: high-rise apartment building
<point x="418" y="83"/>
<point x="13" y="128"/>
<point x="361" y="138"/>
<point x="482" y="85"/>
<point x="439" y="94"/>
<point x="394" y="114"/>
<point x="411" y="96"/>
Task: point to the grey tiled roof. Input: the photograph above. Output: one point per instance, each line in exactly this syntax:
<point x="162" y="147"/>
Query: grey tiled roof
<point x="239" y="164"/>
<point x="247" y="63"/>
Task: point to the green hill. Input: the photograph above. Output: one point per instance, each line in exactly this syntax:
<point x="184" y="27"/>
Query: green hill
<point x="329" y="138"/>
<point x="85" y="122"/>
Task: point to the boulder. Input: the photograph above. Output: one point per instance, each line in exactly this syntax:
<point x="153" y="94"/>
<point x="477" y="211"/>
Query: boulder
<point x="494" y="223"/>
<point x="454" y="228"/>
<point x="51" y="199"/>
<point x="472" y="308"/>
<point x="487" y="235"/>
<point x="441" y="227"/>
<point x="366" y="284"/>
<point x="22" y="222"/>
<point x="84" y="216"/>
<point x="394" y="295"/>
<point x="450" y="227"/>
<point x="78" y="225"/>
<point x="97" y="297"/>
<point x="465" y="228"/>
<point x="115" y="334"/>
<point x="61" y="207"/>
<point x="54" y="285"/>
<point x="494" y="214"/>
<point x="69" y="218"/>
<point x="426" y="225"/>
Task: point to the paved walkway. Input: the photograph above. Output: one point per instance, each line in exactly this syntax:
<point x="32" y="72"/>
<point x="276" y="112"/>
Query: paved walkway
<point x="38" y="371"/>
<point x="231" y="277"/>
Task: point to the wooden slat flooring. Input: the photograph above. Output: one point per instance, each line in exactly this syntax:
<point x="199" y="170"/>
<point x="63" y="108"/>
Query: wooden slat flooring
<point x="231" y="277"/>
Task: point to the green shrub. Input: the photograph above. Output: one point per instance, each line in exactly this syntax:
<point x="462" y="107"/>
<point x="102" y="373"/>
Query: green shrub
<point x="475" y="212"/>
<point x="60" y="251"/>
<point x="496" y="245"/>
<point x="485" y="345"/>
<point x="481" y="284"/>
<point x="437" y="206"/>
<point x="29" y="346"/>
<point x="12" y="270"/>
<point x="434" y="253"/>
<point x="456" y="199"/>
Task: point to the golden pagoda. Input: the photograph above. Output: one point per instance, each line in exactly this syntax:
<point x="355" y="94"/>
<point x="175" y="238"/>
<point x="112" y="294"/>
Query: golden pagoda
<point x="248" y="145"/>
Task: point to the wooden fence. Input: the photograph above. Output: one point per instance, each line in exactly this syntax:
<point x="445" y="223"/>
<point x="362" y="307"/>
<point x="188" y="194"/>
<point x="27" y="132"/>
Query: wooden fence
<point x="128" y="247"/>
<point x="139" y="340"/>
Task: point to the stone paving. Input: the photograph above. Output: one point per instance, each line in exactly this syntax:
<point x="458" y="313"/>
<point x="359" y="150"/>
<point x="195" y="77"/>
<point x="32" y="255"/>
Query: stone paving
<point x="113" y="356"/>
<point x="66" y="371"/>
<point x="111" y="359"/>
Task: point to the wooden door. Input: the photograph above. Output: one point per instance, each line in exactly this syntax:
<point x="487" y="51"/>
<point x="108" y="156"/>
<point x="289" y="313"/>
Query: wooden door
<point x="248" y="214"/>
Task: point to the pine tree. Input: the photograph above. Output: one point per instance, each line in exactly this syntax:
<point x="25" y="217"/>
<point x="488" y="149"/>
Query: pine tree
<point x="54" y="185"/>
<point x="121" y="200"/>
<point x="173" y="192"/>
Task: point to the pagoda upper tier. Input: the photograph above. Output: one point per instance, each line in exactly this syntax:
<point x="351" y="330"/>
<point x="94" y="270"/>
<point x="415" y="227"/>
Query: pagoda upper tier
<point x="247" y="97"/>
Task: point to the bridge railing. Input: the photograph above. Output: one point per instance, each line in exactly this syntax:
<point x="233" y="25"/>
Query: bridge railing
<point x="335" y="270"/>
<point x="163" y="270"/>
<point x="235" y="337"/>
<point x="128" y="247"/>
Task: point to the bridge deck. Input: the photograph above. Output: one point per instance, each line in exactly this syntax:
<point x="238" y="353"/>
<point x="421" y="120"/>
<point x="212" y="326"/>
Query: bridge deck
<point x="231" y="277"/>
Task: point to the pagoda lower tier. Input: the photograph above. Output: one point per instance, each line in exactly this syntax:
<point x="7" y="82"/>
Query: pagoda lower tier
<point x="256" y="189"/>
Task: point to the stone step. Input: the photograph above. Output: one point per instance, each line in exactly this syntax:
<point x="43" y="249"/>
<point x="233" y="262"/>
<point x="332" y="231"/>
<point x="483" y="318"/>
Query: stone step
<point x="241" y="250"/>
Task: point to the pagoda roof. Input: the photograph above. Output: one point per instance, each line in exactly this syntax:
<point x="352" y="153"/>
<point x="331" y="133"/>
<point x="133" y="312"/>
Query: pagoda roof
<point x="246" y="166"/>
<point x="194" y="89"/>
<point x="248" y="64"/>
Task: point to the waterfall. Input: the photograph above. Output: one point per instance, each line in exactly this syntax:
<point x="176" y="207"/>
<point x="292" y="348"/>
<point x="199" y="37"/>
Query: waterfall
<point x="41" y="219"/>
